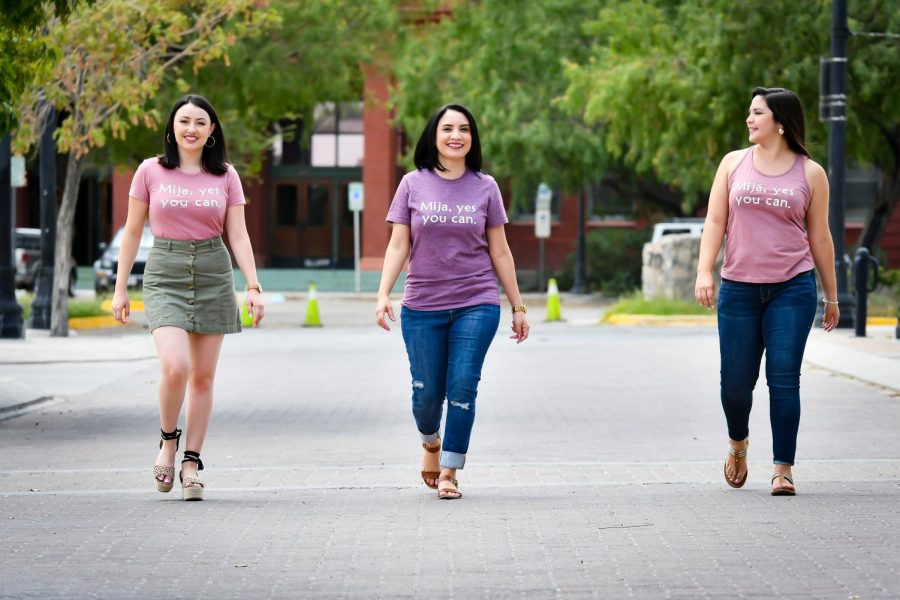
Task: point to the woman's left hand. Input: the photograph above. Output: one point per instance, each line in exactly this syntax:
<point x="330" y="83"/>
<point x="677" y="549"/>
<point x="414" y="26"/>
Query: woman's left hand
<point x="520" y="327"/>
<point x="831" y="317"/>
<point x="255" y="306"/>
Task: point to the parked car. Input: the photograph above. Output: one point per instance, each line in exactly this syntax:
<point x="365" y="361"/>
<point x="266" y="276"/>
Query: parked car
<point x="105" y="267"/>
<point x="28" y="260"/>
<point x="693" y="226"/>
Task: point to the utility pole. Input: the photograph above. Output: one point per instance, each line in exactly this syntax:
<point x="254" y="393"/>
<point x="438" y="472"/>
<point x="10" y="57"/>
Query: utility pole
<point x="10" y="311"/>
<point x="580" y="285"/>
<point x="41" y="308"/>
<point x="833" y="110"/>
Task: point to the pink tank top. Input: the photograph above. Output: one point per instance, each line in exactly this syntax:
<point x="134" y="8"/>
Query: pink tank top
<point x="766" y="238"/>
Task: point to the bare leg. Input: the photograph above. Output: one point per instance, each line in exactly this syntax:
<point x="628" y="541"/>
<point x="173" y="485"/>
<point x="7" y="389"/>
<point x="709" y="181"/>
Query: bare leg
<point x="204" y="356"/>
<point x="174" y="363"/>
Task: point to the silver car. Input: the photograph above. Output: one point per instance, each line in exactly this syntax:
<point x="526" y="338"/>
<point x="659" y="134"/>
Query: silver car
<point x="105" y="267"/>
<point x="28" y="260"/>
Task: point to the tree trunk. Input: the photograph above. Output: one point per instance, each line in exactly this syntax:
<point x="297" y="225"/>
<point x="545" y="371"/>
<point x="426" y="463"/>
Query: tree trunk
<point x="65" y="229"/>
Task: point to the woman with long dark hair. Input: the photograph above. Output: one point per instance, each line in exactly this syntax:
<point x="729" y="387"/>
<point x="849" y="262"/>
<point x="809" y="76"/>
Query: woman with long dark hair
<point x="770" y="204"/>
<point x="447" y="218"/>
<point x="191" y="195"/>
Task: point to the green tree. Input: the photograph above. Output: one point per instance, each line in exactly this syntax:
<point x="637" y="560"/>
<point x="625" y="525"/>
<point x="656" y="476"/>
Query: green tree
<point x="113" y="56"/>
<point x="22" y="48"/>
<point x="504" y="60"/>
<point x="312" y="56"/>
<point x="670" y="81"/>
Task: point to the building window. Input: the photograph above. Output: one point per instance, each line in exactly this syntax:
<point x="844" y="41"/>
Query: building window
<point x="337" y="135"/>
<point x="318" y="204"/>
<point x="522" y="200"/>
<point x="862" y="189"/>
<point x="285" y="205"/>
<point x="606" y="203"/>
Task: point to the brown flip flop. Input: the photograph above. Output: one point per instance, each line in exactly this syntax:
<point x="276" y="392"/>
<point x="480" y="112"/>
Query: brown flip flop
<point x="739" y="455"/>
<point x="781" y="490"/>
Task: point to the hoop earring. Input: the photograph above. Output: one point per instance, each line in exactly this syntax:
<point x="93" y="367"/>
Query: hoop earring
<point x="169" y="138"/>
<point x="780" y="130"/>
<point x="213" y="142"/>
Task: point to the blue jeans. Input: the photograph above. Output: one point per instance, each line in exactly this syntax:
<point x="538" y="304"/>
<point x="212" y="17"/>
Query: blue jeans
<point x="446" y="349"/>
<point x="777" y="318"/>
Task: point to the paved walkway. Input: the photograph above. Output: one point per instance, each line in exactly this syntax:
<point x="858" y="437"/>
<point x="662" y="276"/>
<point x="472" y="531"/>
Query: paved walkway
<point x="594" y="472"/>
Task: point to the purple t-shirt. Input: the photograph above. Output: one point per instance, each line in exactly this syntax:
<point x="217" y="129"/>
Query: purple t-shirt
<point x="449" y="263"/>
<point x="185" y="206"/>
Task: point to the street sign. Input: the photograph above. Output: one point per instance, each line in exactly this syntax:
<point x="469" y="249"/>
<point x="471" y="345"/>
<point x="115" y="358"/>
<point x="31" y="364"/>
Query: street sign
<point x="355" y="196"/>
<point x="17" y="173"/>
<point x="542" y="212"/>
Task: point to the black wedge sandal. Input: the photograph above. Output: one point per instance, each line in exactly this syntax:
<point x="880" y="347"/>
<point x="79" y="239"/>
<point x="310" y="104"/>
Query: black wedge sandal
<point x="160" y="471"/>
<point x="195" y="491"/>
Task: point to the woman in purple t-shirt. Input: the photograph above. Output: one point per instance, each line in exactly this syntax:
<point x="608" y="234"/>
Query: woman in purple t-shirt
<point x="448" y="221"/>
<point x="771" y="201"/>
<point x="191" y="195"/>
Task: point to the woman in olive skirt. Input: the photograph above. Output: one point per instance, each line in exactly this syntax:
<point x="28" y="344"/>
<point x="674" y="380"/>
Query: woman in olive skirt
<point x="191" y="195"/>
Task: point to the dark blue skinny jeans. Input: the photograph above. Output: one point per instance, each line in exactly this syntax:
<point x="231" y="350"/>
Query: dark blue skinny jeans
<point x="775" y="318"/>
<point x="446" y="350"/>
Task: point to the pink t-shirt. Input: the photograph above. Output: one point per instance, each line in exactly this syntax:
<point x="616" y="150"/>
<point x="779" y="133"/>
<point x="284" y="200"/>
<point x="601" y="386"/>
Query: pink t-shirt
<point x="185" y="206"/>
<point x="766" y="232"/>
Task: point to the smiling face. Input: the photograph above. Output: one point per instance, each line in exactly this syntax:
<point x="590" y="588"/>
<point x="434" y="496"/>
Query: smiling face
<point x="453" y="137"/>
<point x="761" y="122"/>
<point x="192" y="127"/>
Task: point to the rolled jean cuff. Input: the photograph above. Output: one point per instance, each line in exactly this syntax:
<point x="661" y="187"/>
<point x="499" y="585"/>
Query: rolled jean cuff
<point x="452" y="460"/>
<point x="782" y="462"/>
<point x="430" y="438"/>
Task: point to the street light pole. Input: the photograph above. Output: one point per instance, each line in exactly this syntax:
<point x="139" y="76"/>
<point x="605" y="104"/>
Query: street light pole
<point x="835" y="112"/>
<point x="41" y="308"/>
<point x="580" y="285"/>
<point x="10" y="311"/>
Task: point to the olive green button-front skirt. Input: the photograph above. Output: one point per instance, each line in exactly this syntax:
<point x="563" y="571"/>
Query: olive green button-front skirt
<point x="190" y="284"/>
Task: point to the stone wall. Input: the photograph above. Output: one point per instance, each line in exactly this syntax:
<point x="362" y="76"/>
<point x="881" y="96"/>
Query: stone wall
<point x="669" y="267"/>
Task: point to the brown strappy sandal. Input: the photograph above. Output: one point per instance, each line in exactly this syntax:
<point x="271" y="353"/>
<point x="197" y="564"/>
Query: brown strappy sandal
<point x="739" y="455"/>
<point x="448" y="493"/>
<point x="781" y="490"/>
<point x="426" y="475"/>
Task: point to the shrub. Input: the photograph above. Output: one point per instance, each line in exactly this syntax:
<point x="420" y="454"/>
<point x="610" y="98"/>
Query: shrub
<point x="613" y="261"/>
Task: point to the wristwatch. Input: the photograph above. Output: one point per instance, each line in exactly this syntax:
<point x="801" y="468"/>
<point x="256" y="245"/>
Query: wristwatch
<point x="257" y="287"/>
<point x="519" y="308"/>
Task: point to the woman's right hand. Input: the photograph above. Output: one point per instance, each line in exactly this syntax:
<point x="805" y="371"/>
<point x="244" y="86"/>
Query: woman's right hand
<point x="705" y="289"/>
<point x="383" y="307"/>
<point x="121" y="307"/>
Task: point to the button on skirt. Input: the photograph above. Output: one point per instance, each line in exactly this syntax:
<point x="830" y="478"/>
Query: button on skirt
<point x="190" y="284"/>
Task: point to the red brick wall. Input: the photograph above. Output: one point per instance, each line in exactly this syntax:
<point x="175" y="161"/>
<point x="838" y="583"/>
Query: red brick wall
<point x="121" y="183"/>
<point x="890" y="241"/>
<point x="379" y="168"/>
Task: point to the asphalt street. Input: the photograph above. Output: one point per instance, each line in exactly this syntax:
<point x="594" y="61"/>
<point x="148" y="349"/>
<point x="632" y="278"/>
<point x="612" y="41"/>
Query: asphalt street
<point x="595" y="471"/>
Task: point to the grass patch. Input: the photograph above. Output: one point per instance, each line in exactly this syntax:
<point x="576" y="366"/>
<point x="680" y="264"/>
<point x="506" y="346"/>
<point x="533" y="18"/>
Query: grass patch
<point x="78" y="307"/>
<point x="637" y="304"/>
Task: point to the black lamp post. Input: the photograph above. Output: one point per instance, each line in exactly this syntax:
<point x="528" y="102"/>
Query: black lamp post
<point x="833" y="110"/>
<point x="580" y="286"/>
<point x="10" y="311"/>
<point x="41" y="308"/>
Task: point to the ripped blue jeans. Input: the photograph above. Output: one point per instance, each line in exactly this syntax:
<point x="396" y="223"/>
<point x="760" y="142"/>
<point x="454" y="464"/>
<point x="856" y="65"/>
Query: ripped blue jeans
<point x="446" y="350"/>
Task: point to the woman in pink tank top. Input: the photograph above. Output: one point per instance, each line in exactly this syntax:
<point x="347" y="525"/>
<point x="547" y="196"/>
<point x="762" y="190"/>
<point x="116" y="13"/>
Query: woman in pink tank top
<point x="769" y="204"/>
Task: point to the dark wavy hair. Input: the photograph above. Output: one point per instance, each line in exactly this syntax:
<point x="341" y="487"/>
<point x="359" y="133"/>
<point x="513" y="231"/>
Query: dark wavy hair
<point x="787" y="109"/>
<point x="426" y="155"/>
<point x="214" y="159"/>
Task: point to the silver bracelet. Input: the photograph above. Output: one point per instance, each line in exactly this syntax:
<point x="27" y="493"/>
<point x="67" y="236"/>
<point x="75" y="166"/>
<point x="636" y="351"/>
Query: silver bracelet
<point x="824" y="301"/>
